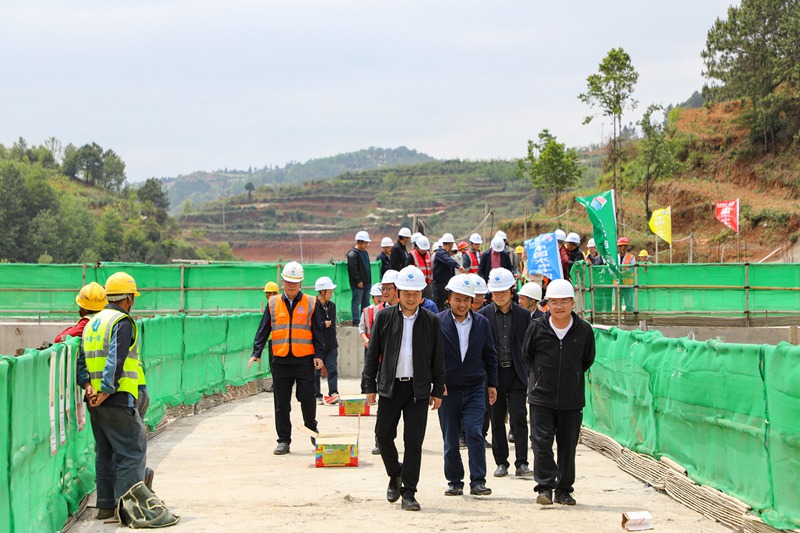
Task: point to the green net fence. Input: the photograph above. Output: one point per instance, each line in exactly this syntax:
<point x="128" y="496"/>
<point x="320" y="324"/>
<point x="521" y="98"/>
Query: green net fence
<point x="728" y="413"/>
<point x="46" y="446"/>
<point x="49" y="290"/>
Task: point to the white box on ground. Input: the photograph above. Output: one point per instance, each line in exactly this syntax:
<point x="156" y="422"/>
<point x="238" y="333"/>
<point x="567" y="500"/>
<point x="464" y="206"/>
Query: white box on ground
<point x="637" y="521"/>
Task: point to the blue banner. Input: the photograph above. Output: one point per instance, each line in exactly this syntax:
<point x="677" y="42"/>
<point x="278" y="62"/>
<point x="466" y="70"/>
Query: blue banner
<point x="544" y="257"/>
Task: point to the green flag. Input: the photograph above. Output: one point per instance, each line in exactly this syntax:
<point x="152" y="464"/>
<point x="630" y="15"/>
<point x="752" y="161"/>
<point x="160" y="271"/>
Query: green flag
<point x="602" y="212"/>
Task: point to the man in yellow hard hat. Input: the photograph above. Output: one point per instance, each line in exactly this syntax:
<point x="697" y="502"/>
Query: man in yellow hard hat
<point x="109" y="372"/>
<point x="271" y="289"/>
<point x="91" y="299"/>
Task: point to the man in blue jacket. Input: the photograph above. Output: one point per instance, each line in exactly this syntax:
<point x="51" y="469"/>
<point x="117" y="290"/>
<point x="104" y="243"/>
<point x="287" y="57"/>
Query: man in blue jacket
<point x="470" y="363"/>
<point x="444" y="268"/>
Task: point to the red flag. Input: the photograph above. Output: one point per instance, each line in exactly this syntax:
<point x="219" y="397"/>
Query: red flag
<point x="728" y="214"/>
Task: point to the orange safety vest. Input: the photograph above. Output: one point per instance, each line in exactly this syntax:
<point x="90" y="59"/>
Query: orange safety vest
<point x="474" y="262"/>
<point x="627" y="277"/>
<point x="292" y="332"/>
<point x="369" y="315"/>
<point x="423" y="264"/>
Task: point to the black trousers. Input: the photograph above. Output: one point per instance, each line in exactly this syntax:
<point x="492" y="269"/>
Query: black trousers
<point x="415" y="418"/>
<point x="512" y="397"/>
<point x="440" y="294"/>
<point x="283" y="378"/>
<point x="565" y="427"/>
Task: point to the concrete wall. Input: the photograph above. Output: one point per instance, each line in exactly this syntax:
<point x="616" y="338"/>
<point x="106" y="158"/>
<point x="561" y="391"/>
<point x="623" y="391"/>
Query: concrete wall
<point x="20" y="335"/>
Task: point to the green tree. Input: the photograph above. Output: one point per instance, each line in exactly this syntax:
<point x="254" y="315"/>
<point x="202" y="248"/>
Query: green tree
<point x="751" y="54"/>
<point x="155" y="200"/>
<point x="249" y="187"/>
<point x="550" y="166"/>
<point x="656" y="157"/>
<point x="113" y="171"/>
<point x="109" y="236"/>
<point x="611" y="90"/>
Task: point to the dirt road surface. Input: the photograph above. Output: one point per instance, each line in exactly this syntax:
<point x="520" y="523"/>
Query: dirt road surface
<point x="217" y="471"/>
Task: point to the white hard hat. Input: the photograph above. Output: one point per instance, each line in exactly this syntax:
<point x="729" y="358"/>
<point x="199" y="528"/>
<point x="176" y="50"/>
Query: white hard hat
<point x="324" y="283"/>
<point x="461" y="284"/>
<point x="560" y="235"/>
<point x="410" y="279"/>
<point x="423" y="243"/>
<point x="501" y="279"/>
<point x="478" y="283"/>
<point x="293" y="271"/>
<point x="386" y="241"/>
<point x="560" y="288"/>
<point x="497" y="244"/>
<point x="591" y="244"/>
<point x="404" y="232"/>
<point x="375" y="290"/>
<point x="475" y="238"/>
<point x="501" y="234"/>
<point x="531" y="290"/>
<point x="447" y="238"/>
<point x="390" y="276"/>
<point x="415" y="237"/>
<point x="574" y="238"/>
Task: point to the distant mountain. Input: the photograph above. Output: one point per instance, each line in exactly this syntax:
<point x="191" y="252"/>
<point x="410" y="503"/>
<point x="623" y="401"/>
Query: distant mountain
<point x="203" y="187"/>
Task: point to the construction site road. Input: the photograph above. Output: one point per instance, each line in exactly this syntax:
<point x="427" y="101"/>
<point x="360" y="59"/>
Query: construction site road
<point x="217" y="471"/>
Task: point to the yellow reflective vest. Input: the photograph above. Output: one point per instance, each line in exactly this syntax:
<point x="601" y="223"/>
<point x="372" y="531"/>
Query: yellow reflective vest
<point x="97" y="342"/>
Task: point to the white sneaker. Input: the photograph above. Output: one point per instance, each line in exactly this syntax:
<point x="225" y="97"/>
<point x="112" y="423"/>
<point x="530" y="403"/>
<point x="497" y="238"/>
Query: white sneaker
<point x="320" y="401"/>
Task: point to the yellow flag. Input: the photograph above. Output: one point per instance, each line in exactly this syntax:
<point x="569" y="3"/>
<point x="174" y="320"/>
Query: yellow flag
<point x="661" y="223"/>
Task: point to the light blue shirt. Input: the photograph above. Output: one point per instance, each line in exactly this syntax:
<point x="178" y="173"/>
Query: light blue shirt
<point x="463" y="329"/>
<point x="405" y="361"/>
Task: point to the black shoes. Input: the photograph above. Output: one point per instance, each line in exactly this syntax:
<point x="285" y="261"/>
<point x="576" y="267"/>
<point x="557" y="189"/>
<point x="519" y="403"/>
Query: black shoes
<point x="282" y="449"/>
<point x="148" y="477"/>
<point x="501" y="471"/>
<point x="523" y="471"/>
<point x="480" y="489"/>
<point x="393" y="490"/>
<point x="487" y="444"/>
<point x="564" y="498"/>
<point x="510" y="437"/>
<point x="454" y="490"/>
<point x="409" y="503"/>
<point x="545" y="497"/>
<point x="104" y="514"/>
<point x="377" y="449"/>
<point x="462" y="442"/>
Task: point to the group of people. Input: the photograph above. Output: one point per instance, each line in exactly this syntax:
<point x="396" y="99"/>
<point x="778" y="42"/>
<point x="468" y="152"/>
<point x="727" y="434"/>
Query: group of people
<point x="461" y="346"/>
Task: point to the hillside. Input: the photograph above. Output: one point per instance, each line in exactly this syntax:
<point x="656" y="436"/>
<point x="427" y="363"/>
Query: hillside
<point x="202" y="187"/>
<point x="323" y="216"/>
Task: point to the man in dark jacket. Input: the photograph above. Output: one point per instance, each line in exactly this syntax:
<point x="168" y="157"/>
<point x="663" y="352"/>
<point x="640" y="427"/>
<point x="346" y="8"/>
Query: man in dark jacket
<point x="405" y="367"/>
<point x="398" y="259"/>
<point x="471" y="364"/>
<point x="494" y="257"/>
<point x="360" y="274"/>
<point x="559" y="349"/>
<point x="444" y="268"/>
<point x="509" y="322"/>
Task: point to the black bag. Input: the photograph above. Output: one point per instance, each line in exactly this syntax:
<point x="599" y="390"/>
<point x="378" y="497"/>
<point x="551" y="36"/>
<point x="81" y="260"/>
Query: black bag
<point x="140" y="508"/>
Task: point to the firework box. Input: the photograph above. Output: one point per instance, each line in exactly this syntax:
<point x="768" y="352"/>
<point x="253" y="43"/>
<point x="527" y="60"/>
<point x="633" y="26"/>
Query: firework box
<point x="353" y="405"/>
<point x="335" y="449"/>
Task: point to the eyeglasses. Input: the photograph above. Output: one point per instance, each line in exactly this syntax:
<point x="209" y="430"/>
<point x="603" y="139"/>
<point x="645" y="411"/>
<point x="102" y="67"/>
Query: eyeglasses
<point x="387" y="289"/>
<point x="560" y="303"/>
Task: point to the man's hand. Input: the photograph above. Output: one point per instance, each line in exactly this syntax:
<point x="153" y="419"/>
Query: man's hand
<point x="492" y="395"/>
<point x="98" y="400"/>
<point x="360" y="284"/>
<point x="90" y="392"/>
<point x="435" y="403"/>
<point x="372" y="398"/>
<point x="253" y="360"/>
<point x="366" y="343"/>
<point x="317" y="363"/>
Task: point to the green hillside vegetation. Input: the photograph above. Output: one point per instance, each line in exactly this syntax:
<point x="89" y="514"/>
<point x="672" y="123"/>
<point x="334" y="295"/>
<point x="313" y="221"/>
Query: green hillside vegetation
<point x="203" y="187"/>
<point x="73" y="205"/>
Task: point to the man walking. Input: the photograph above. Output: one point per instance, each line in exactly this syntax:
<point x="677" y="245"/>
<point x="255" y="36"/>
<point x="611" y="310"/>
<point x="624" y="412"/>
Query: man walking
<point x="398" y="259"/>
<point x="470" y="258"/>
<point x="383" y="257"/>
<point x="297" y="343"/>
<point x="405" y="367"/>
<point x="495" y="257"/>
<point x="444" y="268"/>
<point x="471" y="365"/>
<point x="330" y="357"/>
<point x="509" y="322"/>
<point x="360" y="274"/>
<point x="420" y="257"/>
<point x="559" y="349"/>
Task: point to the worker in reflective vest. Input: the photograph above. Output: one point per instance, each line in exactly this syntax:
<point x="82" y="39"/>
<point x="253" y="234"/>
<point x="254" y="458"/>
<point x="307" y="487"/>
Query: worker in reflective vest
<point x="297" y="339"/>
<point x="471" y="258"/>
<point x="420" y="257"/>
<point x="109" y="372"/>
<point x="626" y="261"/>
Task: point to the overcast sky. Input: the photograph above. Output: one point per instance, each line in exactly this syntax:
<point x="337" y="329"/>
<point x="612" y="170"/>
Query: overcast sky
<point x="175" y="87"/>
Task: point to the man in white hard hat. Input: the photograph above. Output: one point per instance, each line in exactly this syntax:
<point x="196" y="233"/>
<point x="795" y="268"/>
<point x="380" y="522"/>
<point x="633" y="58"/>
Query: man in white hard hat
<point x="359" y="271"/>
<point x="509" y="322"/>
<point x="529" y="297"/>
<point x="383" y="257"/>
<point x="471" y="258"/>
<point x="495" y="257"/>
<point x="471" y="366"/>
<point x="559" y="348"/>
<point x="444" y="268"/>
<point x="296" y="325"/>
<point x="593" y="256"/>
<point x="398" y="259"/>
<point x="330" y="358"/>
<point x="515" y="260"/>
<point x="405" y="368"/>
<point x="602" y="297"/>
<point x="572" y="244"/>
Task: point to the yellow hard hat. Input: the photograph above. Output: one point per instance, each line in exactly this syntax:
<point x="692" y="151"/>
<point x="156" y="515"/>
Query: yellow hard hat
<point x="121" y="283"/>
<point x="643" y="253"/>
<point x="92" y="297"/>
<point x="519" y="249"/>
<point x="271" y="286"/>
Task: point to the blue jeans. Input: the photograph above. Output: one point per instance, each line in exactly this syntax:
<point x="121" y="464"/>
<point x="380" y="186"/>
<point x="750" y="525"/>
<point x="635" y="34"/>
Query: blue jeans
<point x="471" y="406"/>
<point x="331" y="361"/>
<point x="360" y="301"/>
<point x="121" y="445"/>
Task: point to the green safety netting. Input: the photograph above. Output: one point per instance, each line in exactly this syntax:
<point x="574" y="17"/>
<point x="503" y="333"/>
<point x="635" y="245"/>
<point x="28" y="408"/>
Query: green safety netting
<point x="203" y="350"/>
<point x="161" y="352"/>
<point x="728" y="413"/>
<point x="241" y="330"/>
<point x="5" y="427"/>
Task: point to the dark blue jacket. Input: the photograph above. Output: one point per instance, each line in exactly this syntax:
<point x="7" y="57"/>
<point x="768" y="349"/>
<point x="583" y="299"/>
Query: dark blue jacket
<point x="480" y="363"/>
<point x="444" y="266"/>
<point x="521" y="318"/>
